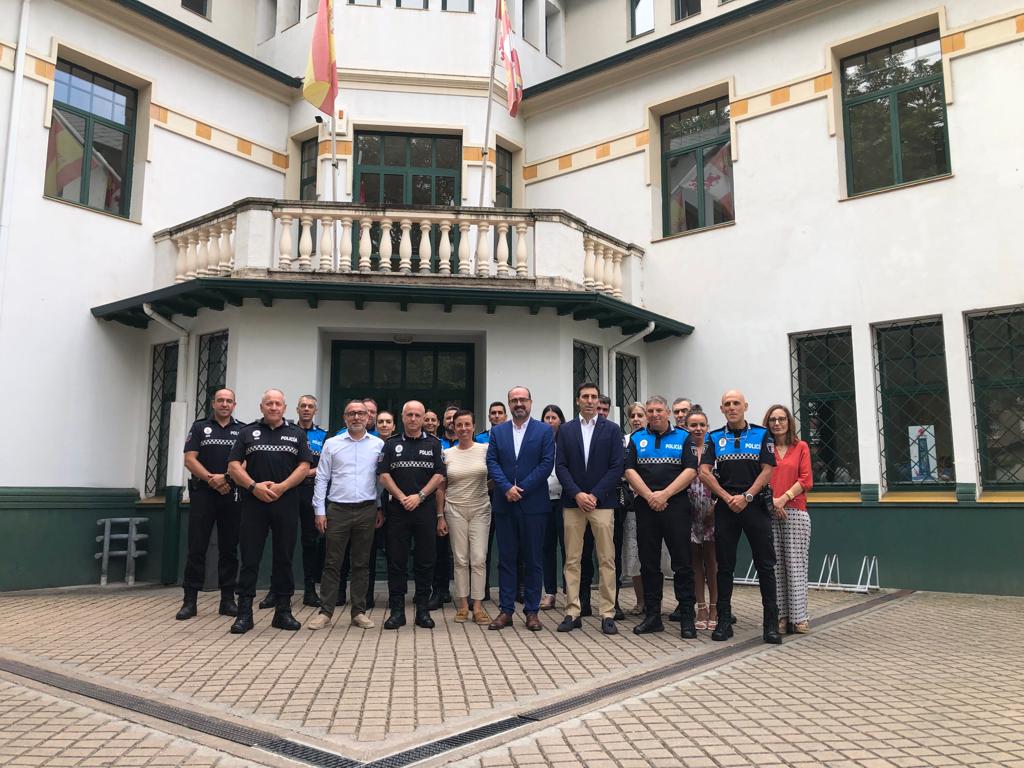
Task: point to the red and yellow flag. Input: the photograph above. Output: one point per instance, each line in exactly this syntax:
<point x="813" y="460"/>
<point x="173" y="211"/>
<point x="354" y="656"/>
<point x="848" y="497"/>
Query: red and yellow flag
<point x="320" y="86"/>
<point x="509" y="59"/>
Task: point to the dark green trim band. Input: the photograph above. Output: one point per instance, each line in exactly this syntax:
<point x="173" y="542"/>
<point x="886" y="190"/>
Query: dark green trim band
<point x="181" y="28"/>
<point x="214" y="292"/>
<point x="658" y="44"/>
<point x="65" y="498"/>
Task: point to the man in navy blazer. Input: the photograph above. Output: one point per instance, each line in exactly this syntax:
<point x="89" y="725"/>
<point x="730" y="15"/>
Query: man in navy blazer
<point x="589" y="467"/>
<point x="520" y="456"/>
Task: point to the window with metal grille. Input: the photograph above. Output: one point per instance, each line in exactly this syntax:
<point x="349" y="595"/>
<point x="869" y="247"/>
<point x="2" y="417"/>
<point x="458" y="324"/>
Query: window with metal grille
<point x="162" y="394"/>
<point x="627" y="385"/>
<point x="913" y="405"/>
<point x="213" y="369"/>
<point x="696" y="172"/>
<point x="997" y="374"/>
<point x="308" y="169"/>
<point x="503" y="178"/>
<point x="894" y="114"/>
<point x="92" y="140"/>
<point x="684" y="9"/>
<point x="586" y="366"/>
<point x="825" y="405"/>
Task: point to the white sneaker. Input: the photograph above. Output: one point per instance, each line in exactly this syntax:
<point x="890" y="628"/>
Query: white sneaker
<point x="319" y="621"/>
<point x="362" y="621"/>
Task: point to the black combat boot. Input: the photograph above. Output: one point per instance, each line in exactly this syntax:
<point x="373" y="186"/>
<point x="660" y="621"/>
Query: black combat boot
<point x="310" y="597"/>
<point x="283" y="618"/>
<point x="188" y="605"/>
<point x="423" y="618"/>
<point x="268" y="602"/>
<point x="771" y="626"/>
<point x="243" y="621"/>
<point x="725" y="621"/>
<point x="227" y="603"/>
<point x="651" y="623"/>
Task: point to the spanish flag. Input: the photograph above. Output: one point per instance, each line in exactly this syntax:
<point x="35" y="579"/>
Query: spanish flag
<point x="509" y="59"/>
<point x="320" y="86"/>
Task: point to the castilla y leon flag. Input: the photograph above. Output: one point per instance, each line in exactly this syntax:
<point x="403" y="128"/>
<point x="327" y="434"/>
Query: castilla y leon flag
<point x="320" y="86"/>
<point x="509" y="59"/>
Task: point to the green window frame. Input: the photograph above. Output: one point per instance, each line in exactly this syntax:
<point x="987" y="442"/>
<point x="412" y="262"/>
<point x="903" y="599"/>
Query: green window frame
<point x="825" y="405"/>
<point x="894" y="114"/>
<point x="627" y="385"/>
<point x="212" y="371"/>
<point x="309" y="164"/>
<point x="93" y="118"/>
<point x="586" y="366"/>
<point x="635" y="22"/>
<point x="696" y="144"/>
<point x="202" y="7"/>
<point x="684" y="9"/>
<point x="467" y="6"/>
<point x="915" y="433"/>
<point x="996" y="346"/>
<point x="502" y="178"/>
<point x="420" y="5"/>
<point x="163" y="390"/>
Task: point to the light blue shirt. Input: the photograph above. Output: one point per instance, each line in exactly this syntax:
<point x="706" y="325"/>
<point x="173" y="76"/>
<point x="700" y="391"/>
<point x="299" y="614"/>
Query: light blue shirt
<point x="350" y="467"/>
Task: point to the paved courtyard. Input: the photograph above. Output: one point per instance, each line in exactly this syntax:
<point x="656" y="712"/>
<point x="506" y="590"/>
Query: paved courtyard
<point x="900" y="679"/>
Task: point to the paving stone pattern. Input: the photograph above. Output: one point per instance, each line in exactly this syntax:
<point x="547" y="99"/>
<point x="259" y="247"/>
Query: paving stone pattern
<point x="929" y="680"/>
<point x="353" y="688"/>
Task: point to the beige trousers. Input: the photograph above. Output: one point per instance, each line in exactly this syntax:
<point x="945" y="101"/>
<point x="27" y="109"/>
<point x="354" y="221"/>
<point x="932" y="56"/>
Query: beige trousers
<point x="602" y="523"/>
<point x="468" y="531"/>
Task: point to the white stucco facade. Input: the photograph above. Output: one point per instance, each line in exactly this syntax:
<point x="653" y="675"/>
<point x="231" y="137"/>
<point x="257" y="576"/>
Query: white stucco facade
<point x="801" y="255"/>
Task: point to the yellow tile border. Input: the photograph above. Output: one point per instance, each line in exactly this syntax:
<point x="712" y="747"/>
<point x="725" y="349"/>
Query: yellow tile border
<point x="833" y="497"/>
<point x="919" y="497"/>
<point x="1002" y="497"/>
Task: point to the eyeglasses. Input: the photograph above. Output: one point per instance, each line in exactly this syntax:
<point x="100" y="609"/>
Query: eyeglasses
<point x="356" y="413"/>
<point x="519" y="400"/>
<point x="778" y="419"/>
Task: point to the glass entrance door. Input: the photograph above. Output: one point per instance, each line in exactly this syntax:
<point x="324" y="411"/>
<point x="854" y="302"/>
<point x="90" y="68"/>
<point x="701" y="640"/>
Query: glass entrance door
<point x="392" y="374"/>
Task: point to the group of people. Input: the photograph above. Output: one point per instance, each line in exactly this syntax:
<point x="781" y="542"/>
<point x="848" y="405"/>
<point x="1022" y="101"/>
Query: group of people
<point x="672" y="497"/>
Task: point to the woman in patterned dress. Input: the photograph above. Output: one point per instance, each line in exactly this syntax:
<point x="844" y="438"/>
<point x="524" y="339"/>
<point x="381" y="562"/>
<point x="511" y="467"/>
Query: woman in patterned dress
<point x="702" y="534"/>
<point x="637" y="416"/>
<point x="791" y="528"/>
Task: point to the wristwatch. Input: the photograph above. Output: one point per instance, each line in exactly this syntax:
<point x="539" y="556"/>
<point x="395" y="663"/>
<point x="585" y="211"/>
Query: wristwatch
<point x="251" y="486"/>
<point x="749" y="497"/>
<point x="422" y="497"/>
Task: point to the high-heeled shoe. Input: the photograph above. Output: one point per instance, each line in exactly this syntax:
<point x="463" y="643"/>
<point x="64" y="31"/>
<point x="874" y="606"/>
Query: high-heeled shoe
<point x="712" y="620"/>
<point x="702" y="616"/>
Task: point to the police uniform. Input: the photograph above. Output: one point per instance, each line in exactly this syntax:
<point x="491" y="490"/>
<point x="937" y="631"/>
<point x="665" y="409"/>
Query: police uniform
<point x="441" y="588"/>
<point x="411" y="462"/>
<point x="659" y="459"/>
<point x="209" y="507"/>
<point x="269" y="454"/>
<point x="312" y="549"/>
<point x="737" y="457"/>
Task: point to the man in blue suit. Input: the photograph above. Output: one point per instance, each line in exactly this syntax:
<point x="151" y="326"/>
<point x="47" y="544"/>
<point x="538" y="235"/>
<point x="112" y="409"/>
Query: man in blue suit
<point x="520" y="456"/>
<point x="589" y="467"/>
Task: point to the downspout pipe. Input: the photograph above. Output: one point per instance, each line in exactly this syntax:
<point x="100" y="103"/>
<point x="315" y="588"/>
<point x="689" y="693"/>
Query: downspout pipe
<point x="14" y="122"/>
<point x="176" y="437"/>
<point x="614" y="412"/>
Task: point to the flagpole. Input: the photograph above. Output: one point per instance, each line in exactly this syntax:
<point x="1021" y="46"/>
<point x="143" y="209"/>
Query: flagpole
<point x="334" y="157"/>
<point x="490" y="104"/>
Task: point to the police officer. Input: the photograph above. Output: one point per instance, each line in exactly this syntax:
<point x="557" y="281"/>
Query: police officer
<point x="441" y="592"/>
<point x="659" y="466"/>
<point x="213" y="502"/>
<point x="736" y="466"/>
<point x="411" y="469"/>
<point x="276" y="461"/>
<point x="310" y="538"/>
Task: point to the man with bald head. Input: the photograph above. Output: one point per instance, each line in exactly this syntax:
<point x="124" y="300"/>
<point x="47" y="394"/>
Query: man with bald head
<point x="736" y="466"/>
<point x="411" y="468"/>
<point x="268" y="462"/>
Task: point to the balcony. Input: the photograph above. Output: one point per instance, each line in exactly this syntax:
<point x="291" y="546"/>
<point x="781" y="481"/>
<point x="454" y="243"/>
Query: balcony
<point x="282" y="249"/>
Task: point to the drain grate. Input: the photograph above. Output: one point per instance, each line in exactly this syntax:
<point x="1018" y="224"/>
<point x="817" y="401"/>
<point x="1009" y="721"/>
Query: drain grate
<point x="252" y="737"/>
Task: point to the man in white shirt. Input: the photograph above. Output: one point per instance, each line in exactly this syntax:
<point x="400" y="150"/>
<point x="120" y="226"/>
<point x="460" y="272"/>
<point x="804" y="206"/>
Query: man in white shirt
<point x="348" y="464"/>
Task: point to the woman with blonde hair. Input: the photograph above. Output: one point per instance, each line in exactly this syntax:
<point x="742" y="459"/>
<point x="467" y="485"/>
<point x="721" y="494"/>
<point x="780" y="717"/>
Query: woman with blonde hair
<point x="791" y="528"/>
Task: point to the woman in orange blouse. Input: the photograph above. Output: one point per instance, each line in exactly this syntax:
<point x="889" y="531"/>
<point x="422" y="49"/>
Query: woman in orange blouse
<point x="791" y="527"/>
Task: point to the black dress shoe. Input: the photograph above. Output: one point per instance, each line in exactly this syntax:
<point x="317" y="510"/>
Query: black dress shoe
<point x="227" y="606"/>
<point x="770" y="627"/>
<point x="677" y="614"/>
<point x="608" y="627"/>
<point x="724" y="629"/>
<point x="569" y="624"/>
<point x="649" y="624"/>
<point x="188" y="605"/>
<point x="687" y="629"/>
<point x="620" y="615"/>
<point x="423" y="619"/>
<point x="283" y="619"/>
<point x="434" y="603"/>
<point x="268" y="602"/>
<point x="396" y="619"/>
<point x="311" y="598"/>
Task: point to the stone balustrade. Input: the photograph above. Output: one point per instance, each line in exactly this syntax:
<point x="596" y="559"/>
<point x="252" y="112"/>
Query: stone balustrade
<point x="551" y="248"/>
